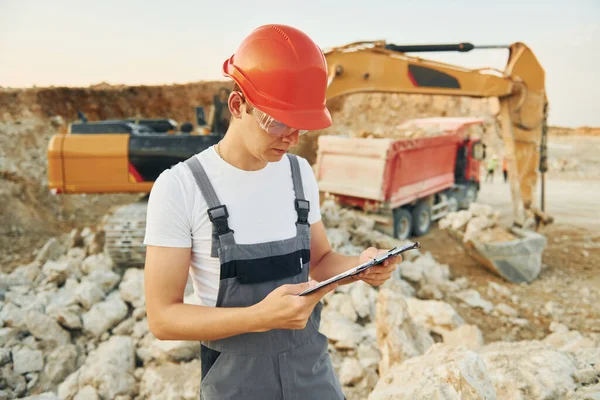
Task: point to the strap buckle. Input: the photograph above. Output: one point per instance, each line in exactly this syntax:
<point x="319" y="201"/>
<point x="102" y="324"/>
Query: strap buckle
<point x="302" y="208"/>
<point x="218" y="216"/>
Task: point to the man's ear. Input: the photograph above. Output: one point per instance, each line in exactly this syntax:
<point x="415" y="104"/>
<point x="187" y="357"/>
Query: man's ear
<point x="235" y="104"/>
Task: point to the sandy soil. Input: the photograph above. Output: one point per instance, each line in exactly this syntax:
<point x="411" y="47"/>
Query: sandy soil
<point x="571" y="202"/>
<point x="568" y="288"/>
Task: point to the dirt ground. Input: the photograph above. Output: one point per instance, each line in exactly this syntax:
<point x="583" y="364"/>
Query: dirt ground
<point x="568" y="288"/>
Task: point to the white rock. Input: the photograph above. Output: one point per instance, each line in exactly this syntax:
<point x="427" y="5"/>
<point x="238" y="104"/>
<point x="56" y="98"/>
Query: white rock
<point x="76" y="255"/>
<point x="9" y="337"/>
<point x="528" y="370"/>
<point x="568" y="341"/>
<point x="5" y="356"/>
<point x="398" y="337"/>
<point x="557" y="327"/>
<point x="65" y="296"/>
<point x="441" y="373"/>
<point x="106" y="279"/>
<point x="174" y="350"/>
<point x="45" y="328"/>
<point x="60" y="363"/>
<point x="26" y="360"/>
<point x="466" y="335"/>
<point x="24" y="275"/>
<point x="338" y="237"/>
<point x="342" y="303"/>
<point x="399" y="284"/>
<point x="57" y="271"/>
<point x="351" y="371"/>
<point x="66" y="316"/>
<point x="87" y="393"/>
<point x="42" y="396"/>
<point x="124" y="328"/>
<point x="586" y="376"/>
<point x="363" y="298"/>
<point x="89" y="293"/>
<point x="94" y="262"/>
<point x="139" y="313"/>
<point x="434" y="315"/>
<point x="475" y="227"/>
<point x="496" y="289"/>
<point x="481" y="210"/>
<point x="12" y="316"/>
<point x="171" y="381"/>
<point x="344" y="334"/>
<point x="18" y="299"/>
<point x="507" y="310"/>
<point x="110" y="368"/>
<point x="132" y="287"/>
<point x="105" y="315"/>
<point x="368" y="354"/>
<point x="69" y="387"/>
<point x="473" y="299"/>
<point x="52" y="250"/>
<point x="140" y="328"/>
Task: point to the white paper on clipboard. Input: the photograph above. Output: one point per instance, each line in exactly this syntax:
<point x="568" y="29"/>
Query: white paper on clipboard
<point x="358" y="269"/>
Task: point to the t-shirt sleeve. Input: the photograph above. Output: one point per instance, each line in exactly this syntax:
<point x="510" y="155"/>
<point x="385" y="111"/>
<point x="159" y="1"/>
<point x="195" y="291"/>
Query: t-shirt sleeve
<point x="311" y="190"/>
<point x="168" y="221"/>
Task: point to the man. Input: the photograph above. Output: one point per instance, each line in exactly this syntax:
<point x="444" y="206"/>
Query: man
<point x="491" y="168"/>
<point x="243" y="218"/>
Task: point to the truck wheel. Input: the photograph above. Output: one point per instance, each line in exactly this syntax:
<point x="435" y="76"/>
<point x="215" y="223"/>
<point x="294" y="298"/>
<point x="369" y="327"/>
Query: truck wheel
<point x="470" y="196"/>
<point x="452" y="202"/>
<point x="421" y="216"/>
<point x="402" y="223"/>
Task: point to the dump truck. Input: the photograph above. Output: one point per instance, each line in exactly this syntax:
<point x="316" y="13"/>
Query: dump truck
<point x="366" y="66"/>
<point x="404" y="183"/>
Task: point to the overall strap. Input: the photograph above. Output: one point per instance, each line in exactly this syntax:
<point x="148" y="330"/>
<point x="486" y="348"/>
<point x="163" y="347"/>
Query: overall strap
<point x="302" y="205"/>
<point x="217" y="213"/>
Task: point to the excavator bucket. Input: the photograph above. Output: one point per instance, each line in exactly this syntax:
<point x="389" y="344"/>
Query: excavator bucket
<point x="518" y="260"/>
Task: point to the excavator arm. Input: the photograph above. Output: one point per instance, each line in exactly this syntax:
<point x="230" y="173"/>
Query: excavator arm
<point x="382" y="67"/>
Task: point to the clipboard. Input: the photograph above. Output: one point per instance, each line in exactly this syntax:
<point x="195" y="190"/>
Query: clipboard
<point x="360" y="268"/>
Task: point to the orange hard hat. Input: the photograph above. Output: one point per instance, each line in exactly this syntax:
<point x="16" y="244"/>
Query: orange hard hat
<point x="283" y="73"/>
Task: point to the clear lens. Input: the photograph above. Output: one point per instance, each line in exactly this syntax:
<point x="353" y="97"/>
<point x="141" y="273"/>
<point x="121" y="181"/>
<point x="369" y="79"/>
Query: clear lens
<point x="273" y="126"/>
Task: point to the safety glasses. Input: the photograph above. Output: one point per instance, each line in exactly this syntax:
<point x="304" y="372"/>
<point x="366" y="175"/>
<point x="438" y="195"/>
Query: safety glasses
<point x="274" y="127"/>
<point x="270" y="124"/>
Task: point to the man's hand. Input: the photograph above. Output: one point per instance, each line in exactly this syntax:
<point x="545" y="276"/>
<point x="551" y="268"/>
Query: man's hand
<point x="284" y="309"/>
<point x="378" y="274"/>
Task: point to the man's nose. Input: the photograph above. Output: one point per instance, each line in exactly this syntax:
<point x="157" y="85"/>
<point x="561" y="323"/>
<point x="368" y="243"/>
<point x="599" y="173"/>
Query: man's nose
<point x="292" y="139"/>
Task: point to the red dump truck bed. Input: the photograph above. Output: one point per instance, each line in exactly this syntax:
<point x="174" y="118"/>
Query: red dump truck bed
<point x="395" y="171"/>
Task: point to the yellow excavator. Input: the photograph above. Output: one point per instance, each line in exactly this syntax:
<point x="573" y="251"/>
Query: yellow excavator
<point x="118" y="163"/>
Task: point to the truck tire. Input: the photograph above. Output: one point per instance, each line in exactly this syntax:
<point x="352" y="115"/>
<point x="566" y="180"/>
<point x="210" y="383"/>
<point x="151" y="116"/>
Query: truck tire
<point x="453" y="204"/>
<point x="470" y="196"/>
<point x="402" y="223"/>
<point x="421" y="219"/>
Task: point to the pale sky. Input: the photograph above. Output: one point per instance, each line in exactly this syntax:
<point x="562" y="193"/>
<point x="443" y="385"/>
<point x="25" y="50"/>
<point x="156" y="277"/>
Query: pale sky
<point x="83" y="42"/>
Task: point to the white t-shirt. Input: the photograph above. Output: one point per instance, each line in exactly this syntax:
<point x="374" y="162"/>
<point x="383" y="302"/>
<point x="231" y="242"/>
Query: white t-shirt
<point x="260" y="205"/>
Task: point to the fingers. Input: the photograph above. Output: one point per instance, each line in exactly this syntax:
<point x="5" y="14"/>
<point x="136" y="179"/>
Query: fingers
<point x="298" y="288"/>
<point x="323" y="291"/>
<point x="372" y="252"/>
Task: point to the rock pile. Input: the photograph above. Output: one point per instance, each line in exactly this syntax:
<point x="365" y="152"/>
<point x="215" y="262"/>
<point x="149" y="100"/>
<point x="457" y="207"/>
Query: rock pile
<point x="479" y="222"/>
<point x="424" y="349"/>
<point x="73" y="326"/>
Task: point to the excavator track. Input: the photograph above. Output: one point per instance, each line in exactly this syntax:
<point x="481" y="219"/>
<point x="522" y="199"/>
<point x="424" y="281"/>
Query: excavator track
<point x="124" y="230"/>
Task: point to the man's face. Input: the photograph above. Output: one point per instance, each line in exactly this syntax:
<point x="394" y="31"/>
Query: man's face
<point x="262" y="144"/>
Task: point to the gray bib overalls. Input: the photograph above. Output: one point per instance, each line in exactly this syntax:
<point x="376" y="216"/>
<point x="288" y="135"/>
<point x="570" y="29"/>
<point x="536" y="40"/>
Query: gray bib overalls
<point x="281" y="363"/>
